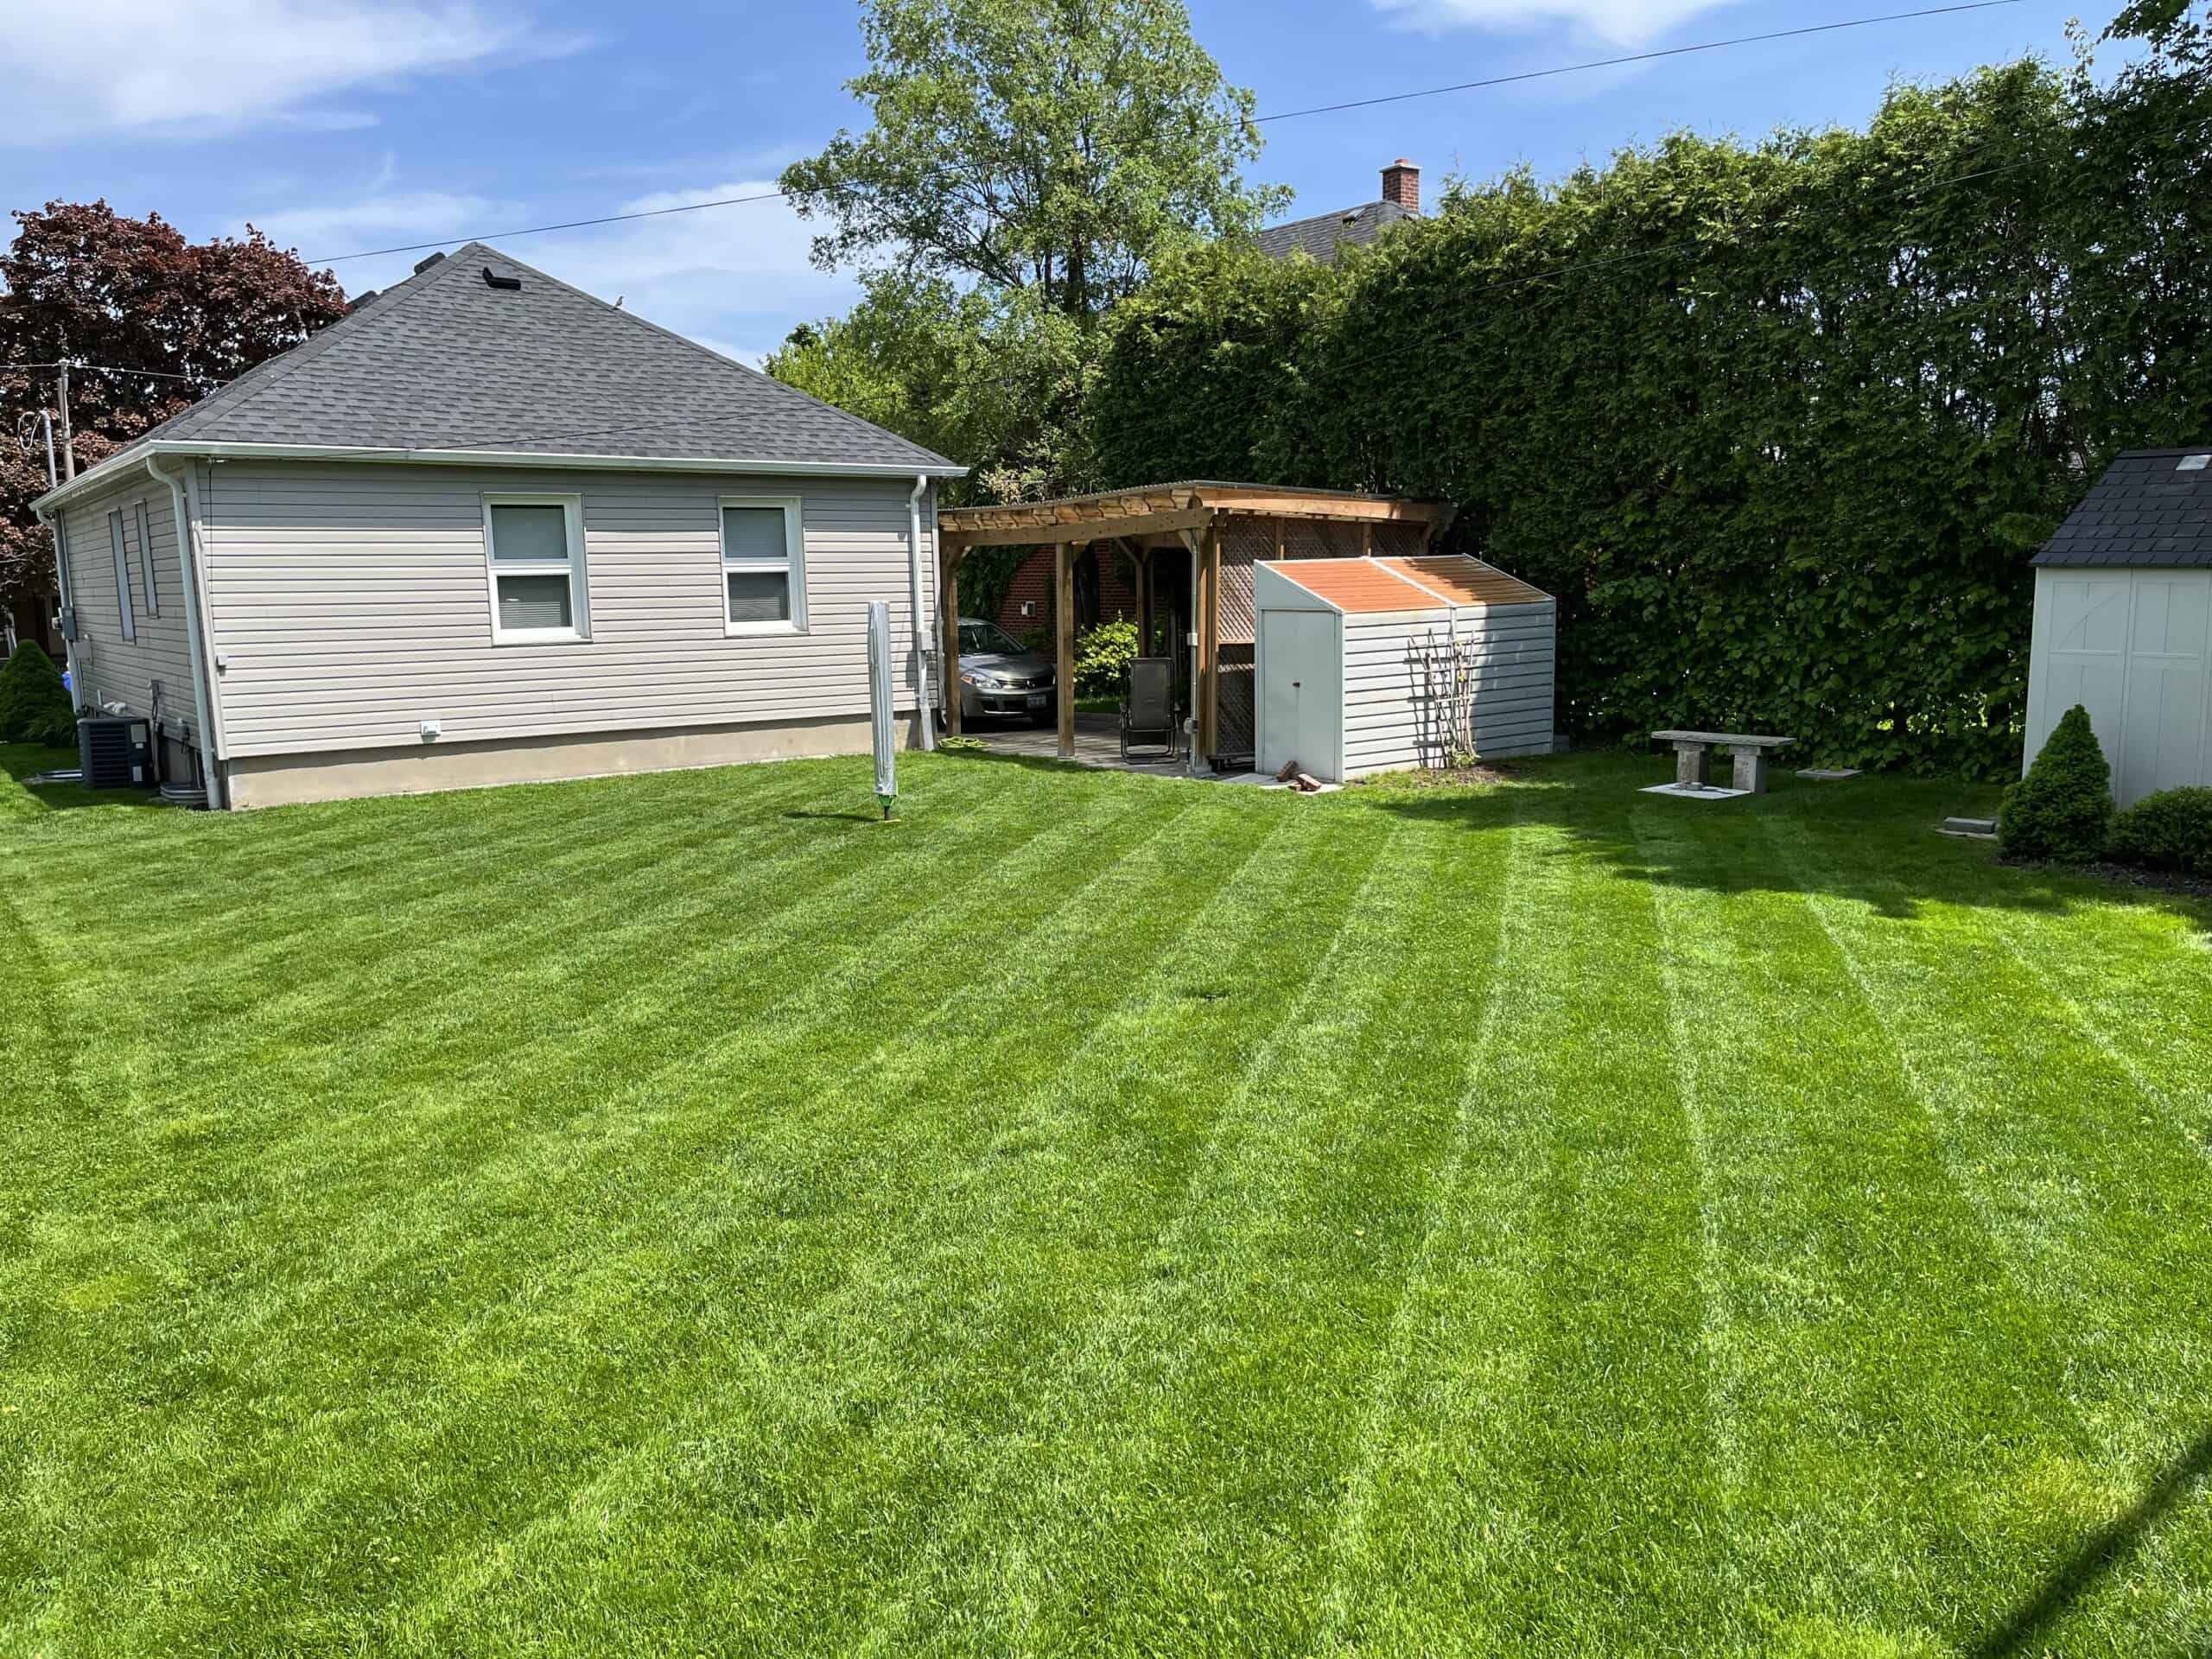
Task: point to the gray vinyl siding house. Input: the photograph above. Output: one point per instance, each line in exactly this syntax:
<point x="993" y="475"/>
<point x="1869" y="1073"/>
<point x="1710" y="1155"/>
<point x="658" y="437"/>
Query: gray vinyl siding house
<point x="489" y="530"/>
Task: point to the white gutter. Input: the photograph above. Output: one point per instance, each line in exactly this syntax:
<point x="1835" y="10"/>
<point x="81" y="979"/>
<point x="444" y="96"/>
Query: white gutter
<point x="914" y="596"/>
<point x="186" y="447"/>
<point x="196" y="624"/>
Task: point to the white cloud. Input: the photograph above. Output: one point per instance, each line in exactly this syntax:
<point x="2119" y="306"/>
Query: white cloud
<point x="328" y="229"/>
<point x="1616" y="22"/>
<point x="736" y="279"/>
<point x="72" y="69"/>
<point x="718" y="275"/>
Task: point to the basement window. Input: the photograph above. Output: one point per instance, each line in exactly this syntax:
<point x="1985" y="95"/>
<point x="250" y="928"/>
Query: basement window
<point x="115" y="534"/>
<point x="152" y="592"/>
<point x="534" y="562"/>
<point x="764" y="565"/>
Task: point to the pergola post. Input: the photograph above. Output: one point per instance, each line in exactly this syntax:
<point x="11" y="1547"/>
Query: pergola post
<point x="1142" y="558"/>
<point x="1210" y="643"/>
<point x="1063" y="631"/>
<point x="948" y="595"/>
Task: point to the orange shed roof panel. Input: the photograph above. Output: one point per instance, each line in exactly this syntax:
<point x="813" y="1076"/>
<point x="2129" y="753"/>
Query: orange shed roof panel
<point x="1464" y="580"/>
<point x="1355" y="585"/>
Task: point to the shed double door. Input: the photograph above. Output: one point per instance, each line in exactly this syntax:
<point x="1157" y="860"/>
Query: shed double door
<point x="1301" y="694"/>
<point x="2135" y="649"/>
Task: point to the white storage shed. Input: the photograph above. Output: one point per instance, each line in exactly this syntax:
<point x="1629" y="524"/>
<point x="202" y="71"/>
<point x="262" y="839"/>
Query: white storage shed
<point x="1374" y="664"/>
<point x="2123" y="622"/>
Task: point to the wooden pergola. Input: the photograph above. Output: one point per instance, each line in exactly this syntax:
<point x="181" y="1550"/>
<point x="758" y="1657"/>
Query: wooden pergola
<point x="1225" y="528"/>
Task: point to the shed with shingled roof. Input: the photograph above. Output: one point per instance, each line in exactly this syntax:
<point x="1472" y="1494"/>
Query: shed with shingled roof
<point x="2123" y="621"/>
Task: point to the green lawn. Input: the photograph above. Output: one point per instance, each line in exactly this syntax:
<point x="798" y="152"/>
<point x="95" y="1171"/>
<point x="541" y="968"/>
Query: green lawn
<point x="1096" y="1215"/>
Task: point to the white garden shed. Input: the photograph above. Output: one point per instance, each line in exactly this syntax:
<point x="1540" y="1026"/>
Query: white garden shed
<point x="2123" y="622"/>
<point x="1374" y="664"/>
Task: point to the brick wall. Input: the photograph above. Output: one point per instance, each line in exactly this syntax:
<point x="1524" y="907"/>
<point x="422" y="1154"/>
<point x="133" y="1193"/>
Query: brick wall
<point x="1105" y="591"/>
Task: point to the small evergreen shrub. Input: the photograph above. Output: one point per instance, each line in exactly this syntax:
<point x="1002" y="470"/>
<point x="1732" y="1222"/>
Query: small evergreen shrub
<point x="33" y="702"/>
<point x="2062" y="808"/>
<point x="2170" y="831"/>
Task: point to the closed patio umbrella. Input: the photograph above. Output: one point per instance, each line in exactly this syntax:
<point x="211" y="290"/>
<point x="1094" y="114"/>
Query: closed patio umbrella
<point x="878" y="687"/>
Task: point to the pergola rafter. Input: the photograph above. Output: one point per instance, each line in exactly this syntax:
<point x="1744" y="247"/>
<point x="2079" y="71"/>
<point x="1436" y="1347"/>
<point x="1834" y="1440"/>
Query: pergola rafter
<point x="1189" y="515"/>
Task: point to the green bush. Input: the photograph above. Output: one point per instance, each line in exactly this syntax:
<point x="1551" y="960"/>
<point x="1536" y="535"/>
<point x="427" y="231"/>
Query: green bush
<point x="33" y="702"/>
<point x="1102" y="656"/>
<point x="2170" y="831"/>
<point x="2062" y="808"/>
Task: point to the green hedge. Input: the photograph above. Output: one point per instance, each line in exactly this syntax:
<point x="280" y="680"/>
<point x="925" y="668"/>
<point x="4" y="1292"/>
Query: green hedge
<point x="1779" y="425"/>
<point x="2170" y="831"/>
<point x="33" y="702"/>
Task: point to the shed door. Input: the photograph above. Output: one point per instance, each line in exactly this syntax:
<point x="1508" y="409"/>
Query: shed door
<point x="1301" y="698"/>
<point x="2163" y="747"/>
<point x="2081" y="656"/>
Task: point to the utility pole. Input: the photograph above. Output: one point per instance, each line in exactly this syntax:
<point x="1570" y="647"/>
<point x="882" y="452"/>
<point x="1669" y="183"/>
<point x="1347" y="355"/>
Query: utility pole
<point x="68" y="448"/>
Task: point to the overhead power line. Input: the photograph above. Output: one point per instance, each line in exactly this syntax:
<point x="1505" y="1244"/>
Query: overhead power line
<point x="570" y="225"/>
<point x="1637" y="57"/>
<point x="1282" y="115"/>
<point x="110" y="368"/>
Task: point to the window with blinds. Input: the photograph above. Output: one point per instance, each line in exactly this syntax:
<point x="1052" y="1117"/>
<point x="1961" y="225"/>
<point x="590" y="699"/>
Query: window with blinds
<point x="534" y="555"/>
<point x="763" y="566"/>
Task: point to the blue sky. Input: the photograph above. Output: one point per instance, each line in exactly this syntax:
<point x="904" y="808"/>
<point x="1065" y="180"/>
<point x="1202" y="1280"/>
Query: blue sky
<point x="344" y="125"/>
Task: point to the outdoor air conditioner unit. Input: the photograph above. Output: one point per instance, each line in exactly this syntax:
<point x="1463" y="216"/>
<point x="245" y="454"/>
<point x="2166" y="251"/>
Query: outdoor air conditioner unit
<point x="116" y="751"/>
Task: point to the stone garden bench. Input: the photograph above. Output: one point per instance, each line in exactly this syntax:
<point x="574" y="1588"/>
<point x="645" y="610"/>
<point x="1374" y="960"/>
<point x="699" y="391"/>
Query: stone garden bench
<point x="1693" y="757"/>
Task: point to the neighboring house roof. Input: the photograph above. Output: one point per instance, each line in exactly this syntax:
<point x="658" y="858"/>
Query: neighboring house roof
<point x="1324" y="234"/>
<point x="2152" y="507"/>
<point x="446" y="366"/>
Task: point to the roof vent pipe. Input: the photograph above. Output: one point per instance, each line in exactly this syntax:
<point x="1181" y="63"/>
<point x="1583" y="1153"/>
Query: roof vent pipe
<point x="422" y="265"/>
<point x="920" y="620"/>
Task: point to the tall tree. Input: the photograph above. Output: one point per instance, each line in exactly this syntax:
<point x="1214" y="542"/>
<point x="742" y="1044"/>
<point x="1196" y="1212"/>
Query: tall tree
<point x="165" y="321"/>
<point x="1051" y="145"/>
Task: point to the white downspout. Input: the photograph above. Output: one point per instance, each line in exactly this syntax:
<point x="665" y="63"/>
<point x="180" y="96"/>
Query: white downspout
<point x="77" y="687"/>
<point x="62" y="596"/>
<point x="914" y="595"/>
<point x="211" y="765"/>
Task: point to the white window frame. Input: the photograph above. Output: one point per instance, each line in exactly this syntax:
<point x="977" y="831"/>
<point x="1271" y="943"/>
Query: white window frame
<point x="572" y="508"/>
<point x="115" y="532"/>
<point x="146" y="560"/>
<point x="791" y="566"/>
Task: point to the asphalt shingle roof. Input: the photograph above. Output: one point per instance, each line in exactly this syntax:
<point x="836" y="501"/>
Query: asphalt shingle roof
<point x="2147" y="510"/>
<point x="444" y="360"/>
<point x="1323" y="234"/>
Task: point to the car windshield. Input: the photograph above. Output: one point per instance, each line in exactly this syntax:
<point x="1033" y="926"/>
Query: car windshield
<point x="981" y="637"/>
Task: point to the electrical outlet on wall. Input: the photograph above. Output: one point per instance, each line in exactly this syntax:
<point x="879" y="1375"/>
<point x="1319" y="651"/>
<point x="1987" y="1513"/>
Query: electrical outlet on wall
<point x="433" y="729"/>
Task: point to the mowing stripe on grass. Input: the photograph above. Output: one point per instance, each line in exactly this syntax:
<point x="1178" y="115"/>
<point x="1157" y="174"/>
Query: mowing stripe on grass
<point x="859" y="1230"/>
<point x="1078" y="1431"/>
<point x="419" y="1253"/>
<point x="1661" y="843"/>
<point x="1078" y="1173"/>
<point x="454" y="1032"/>
<point x="1348" y="1539"/>
<point x="2060" y="1170"/>
<point x="1551" y="1378"/>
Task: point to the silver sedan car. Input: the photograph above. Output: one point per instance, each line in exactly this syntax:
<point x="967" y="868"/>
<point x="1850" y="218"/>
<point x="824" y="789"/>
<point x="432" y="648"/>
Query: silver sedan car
<point x="1001" y="678"/>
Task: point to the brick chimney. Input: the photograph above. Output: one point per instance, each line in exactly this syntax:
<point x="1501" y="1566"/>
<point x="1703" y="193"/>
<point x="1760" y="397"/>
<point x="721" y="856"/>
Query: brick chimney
<point x="1402" y="185"/>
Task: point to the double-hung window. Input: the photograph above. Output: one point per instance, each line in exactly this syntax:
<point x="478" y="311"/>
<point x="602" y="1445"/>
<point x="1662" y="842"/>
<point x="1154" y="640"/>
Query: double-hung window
<point x="114" y="533"/>
<point x="534" y="560"/>
<point x="150" y="589"/>
<point x="764" y="565"/>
